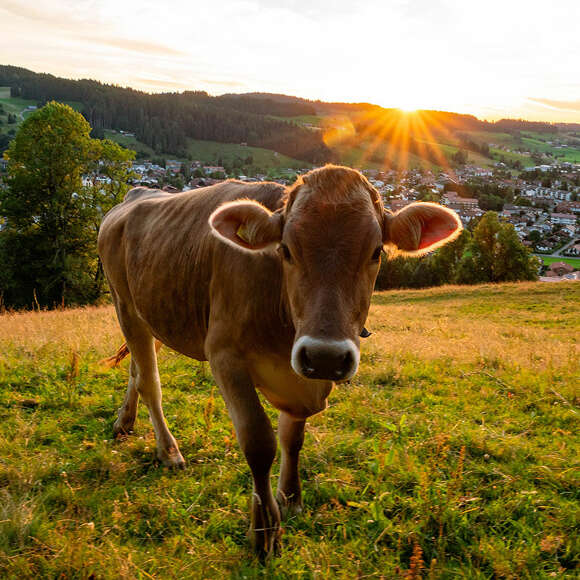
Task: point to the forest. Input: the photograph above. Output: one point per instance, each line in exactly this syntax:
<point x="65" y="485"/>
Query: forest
<point x="166" y="121"/>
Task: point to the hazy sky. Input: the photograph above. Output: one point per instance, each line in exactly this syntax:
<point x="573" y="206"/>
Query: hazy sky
<point x="493" y="58"/>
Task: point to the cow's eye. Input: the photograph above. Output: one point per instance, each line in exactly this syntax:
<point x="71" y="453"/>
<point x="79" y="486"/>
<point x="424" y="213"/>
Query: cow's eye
<point x="286" y="253"/>
<point x="377" y="254"/>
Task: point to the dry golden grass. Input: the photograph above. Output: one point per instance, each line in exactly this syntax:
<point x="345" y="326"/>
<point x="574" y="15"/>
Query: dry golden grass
<point x="442" y="322"/>
<point x="85" y="330"/>
<point x="469" y="325"/>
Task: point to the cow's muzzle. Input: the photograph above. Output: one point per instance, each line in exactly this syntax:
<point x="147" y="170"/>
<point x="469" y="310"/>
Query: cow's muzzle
<point x="331" y="360"/>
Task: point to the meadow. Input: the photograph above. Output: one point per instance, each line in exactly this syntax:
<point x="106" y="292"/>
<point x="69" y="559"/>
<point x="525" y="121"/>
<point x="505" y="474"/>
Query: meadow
<point x="547" y="260"/>
<point x="452" y="454"/>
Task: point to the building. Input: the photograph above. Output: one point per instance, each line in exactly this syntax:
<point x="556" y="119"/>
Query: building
<point x="209" y="169"/>
<point x="559" y="269"/>
<point x="566" y="219"/>
<point x="453" y="201"/>
<point x="397" y="204"/>
<point x="173" y="165"/>
<point x="569" y="207"/>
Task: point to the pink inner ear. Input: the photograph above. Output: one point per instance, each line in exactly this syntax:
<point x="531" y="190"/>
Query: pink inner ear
<point x="436" y="230"/>
<point x="228" y="228"/>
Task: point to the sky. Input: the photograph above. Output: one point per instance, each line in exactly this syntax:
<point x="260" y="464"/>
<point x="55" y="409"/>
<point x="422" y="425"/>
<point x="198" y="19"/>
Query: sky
<point x="493" y="59"/>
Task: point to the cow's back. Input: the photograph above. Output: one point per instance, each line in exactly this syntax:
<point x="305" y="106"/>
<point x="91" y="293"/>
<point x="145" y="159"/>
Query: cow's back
<point x="162" y="261"/>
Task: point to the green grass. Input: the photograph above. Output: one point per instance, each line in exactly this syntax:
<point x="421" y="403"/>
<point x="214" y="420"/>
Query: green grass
<point x="505" y="139"/>
<point x="455" y="449"/>
<point x="314" y="120"/>
<point x="211" y="151"/>
<point x="129" y="142"/>
<point x="571" y="154"/>
<point x="510" y="156"/>
<point x="18" y="106"/>
<point x="572" y="261"/>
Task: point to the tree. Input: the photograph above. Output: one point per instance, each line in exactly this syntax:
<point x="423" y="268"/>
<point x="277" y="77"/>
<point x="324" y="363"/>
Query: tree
<point x="446" y="259"/>
<point x="495" y="254"/>
<point x="48" y="243"/>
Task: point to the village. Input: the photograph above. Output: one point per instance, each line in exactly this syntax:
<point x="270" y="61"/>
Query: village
<point x="542" y="202"/>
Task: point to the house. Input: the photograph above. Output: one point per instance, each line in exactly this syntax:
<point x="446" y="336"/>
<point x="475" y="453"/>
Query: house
<point x="173" y="165"/>
<point x="209" y="169"/>
<point x="566" y="219"/>
<point x="569" y="207"/>
<point x="572" y="277"/>
<point x="559" y="269"/>
<point x="453" y="201"/>
<point x="397" y="204"/>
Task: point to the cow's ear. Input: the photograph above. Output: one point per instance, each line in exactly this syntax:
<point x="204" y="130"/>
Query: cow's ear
<point x="247" y="225"/>
<point x="420" y="228"/>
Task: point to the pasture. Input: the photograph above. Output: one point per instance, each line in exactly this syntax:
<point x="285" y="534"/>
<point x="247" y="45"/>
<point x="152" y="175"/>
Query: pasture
<point x="452" y="454"/>
<point x="547" y="260"/>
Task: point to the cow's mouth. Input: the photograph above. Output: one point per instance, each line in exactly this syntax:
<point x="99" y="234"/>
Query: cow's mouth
<point x="330" y="360"/>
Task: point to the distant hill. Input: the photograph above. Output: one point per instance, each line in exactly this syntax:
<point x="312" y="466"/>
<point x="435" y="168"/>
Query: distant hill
<point x="164" y="122"/>
<point x="312" y="131"/>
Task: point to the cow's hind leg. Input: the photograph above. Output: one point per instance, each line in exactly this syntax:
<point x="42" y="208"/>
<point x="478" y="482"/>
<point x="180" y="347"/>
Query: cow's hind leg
<point x="128" y="410"/>
<point x="144" y="381"/>
<point x="291" y="435"/>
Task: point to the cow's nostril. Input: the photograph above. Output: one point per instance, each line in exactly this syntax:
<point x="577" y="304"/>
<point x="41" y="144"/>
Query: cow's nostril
<point x="306" y="363"/>
<point x="345" y="365"/>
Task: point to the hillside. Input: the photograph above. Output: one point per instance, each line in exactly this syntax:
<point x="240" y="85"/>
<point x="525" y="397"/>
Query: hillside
<point x="314" y="132"/>
<point x="164" y="122"/>
<point x="454" y="449"/>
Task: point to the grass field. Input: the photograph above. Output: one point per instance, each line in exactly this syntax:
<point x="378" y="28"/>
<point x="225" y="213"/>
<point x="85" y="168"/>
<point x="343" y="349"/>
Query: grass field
<point x="453" y="454"/>
<point x="18" y="107"/>
<point x="572" y="261"/>
<point x="211" y="151"/>
<point x="130" y="142"/>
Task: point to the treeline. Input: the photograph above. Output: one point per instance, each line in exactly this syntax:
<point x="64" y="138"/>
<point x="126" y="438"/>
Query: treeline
<point x="166" y="121"/>
<point x="491" y="253"/>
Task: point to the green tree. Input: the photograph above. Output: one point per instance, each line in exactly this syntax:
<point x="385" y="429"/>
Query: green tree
<point x="48" y="243"/>
<point x="495" y="254"/>
<point x="446" y="259"/>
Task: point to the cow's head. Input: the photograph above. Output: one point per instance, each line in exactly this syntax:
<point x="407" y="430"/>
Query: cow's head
<point x="330" y="235"/>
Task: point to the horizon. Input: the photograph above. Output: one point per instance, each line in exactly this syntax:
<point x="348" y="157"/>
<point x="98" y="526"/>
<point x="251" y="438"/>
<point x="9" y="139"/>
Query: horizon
<point x="505" y="61"/>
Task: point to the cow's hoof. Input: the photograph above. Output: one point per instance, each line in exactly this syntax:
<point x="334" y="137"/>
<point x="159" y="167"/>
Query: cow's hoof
<point x="171" y="458"/>
<point x="289" y="505"/>
<point x="266" y="544"/>
<point x="122" y="428"/>
<point x="265" y="531"/>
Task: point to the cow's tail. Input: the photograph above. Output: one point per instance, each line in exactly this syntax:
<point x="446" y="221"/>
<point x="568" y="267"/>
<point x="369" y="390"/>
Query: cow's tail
<point x="115" y="360"/>
<point x="123" y="351"/>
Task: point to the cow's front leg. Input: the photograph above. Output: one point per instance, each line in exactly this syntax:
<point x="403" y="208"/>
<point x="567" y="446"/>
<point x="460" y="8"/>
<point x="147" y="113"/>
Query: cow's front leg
<point x="258" y="442"/>
<point x="291" y="434"/>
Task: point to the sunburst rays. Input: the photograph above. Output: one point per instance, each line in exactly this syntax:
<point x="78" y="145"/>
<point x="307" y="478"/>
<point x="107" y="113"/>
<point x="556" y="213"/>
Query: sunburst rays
<point x="393" y="138"/>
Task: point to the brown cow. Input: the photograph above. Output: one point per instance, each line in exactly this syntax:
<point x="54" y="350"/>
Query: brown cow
<point x="272" y="286"/>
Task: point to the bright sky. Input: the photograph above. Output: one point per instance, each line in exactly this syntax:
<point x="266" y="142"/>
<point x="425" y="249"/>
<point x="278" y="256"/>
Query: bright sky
<point x="492" y="58"/>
